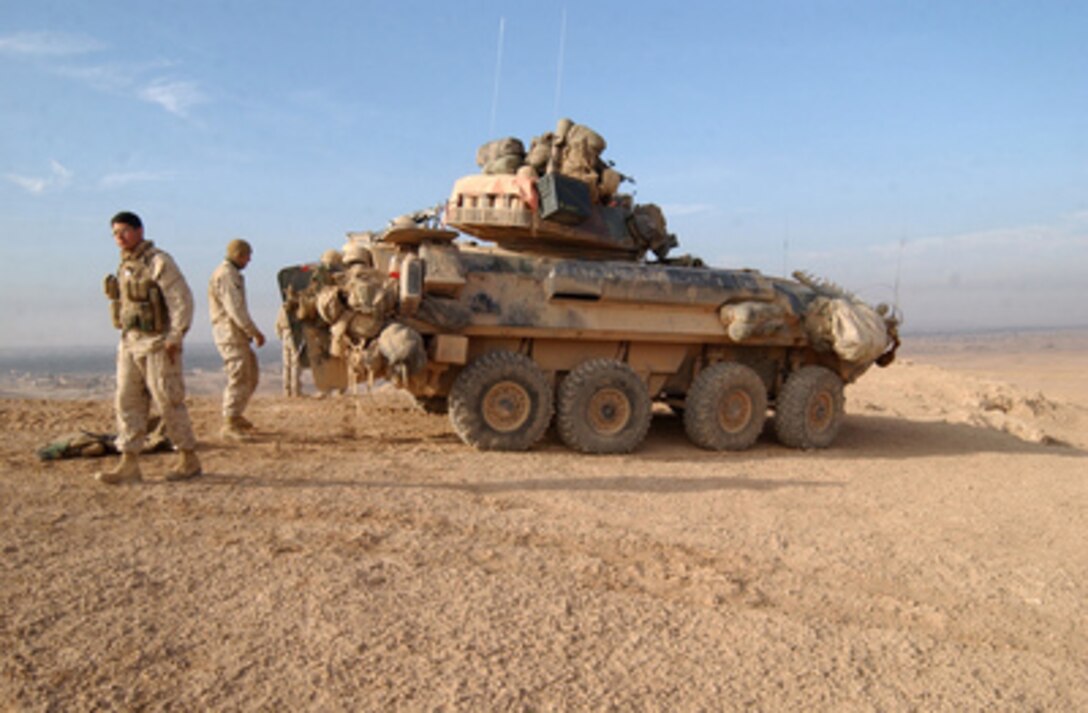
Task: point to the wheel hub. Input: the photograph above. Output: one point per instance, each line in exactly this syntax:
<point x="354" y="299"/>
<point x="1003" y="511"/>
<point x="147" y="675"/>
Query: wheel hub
<point x="735" y="412"/>
<point x="821" y="410"/>
<point x="609" y="411"/>
<point x="506" y="406"/>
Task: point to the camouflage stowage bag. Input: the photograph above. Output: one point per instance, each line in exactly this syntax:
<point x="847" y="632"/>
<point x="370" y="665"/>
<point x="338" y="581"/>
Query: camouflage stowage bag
<point x="400" y="344"/>
<point x="328" y="304"/>
<point x="854" y="330"/>
<point x="505" y="165"/>
<point x="87" y="444"/>
<point x="860" y="332"/>
<point x="540" y="150"/>
<point x="581" y="153"/>
<point x="499" y="148"/>
<point x="79" y="444"/>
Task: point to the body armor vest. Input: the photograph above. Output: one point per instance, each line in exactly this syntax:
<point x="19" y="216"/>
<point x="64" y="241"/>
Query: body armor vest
<point x="142" y="306"/>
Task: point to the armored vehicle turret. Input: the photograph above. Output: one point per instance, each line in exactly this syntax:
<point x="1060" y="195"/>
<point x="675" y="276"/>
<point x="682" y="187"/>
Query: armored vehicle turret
<point x="574" y="312"/>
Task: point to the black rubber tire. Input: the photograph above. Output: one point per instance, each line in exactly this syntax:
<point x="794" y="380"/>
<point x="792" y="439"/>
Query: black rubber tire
<point x="502" y="401"/>
<point x="603" y="407"/>
<point x="810" y="408"/>
<point x="726" y="407"/>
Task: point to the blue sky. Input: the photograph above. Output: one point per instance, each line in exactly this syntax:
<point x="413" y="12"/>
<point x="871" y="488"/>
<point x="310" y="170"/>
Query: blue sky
<point x="945" y="143"/>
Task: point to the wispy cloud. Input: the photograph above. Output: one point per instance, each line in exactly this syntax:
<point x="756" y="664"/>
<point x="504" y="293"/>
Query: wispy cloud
<point x="60" y="173"/>
<point x="59" y="177"/>
<point x="176" y="96"/>
<point x="63" y="55"/>
<point x="111" y="77"/>
<point x="48" y="44"/>
<point x="117" y="180"/>
<point x="30" y="185"/>
<point x="101" y="77"/>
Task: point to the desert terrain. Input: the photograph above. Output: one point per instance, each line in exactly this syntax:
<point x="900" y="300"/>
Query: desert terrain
<point x="355" y="555"/>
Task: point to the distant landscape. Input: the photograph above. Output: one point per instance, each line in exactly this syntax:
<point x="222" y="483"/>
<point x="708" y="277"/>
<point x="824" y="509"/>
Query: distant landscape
<point x="86" y="372"/>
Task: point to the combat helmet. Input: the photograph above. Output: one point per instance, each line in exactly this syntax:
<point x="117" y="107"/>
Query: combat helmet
<point x="357" y="254"/>
<point x="332" y="258"/>
<point x="238" y="249"/>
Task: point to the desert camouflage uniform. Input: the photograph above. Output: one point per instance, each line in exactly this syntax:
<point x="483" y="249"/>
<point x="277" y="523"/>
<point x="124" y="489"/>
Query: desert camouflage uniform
<point x="232" y="328"/>
<point x="144" y="372"/>
<point x="292" y="378"/>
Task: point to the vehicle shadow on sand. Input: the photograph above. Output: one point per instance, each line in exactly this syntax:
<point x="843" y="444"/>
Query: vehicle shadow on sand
<point x="611" y="483"/>
<point x="861" y="437"/>
<point x="632" y="484"/>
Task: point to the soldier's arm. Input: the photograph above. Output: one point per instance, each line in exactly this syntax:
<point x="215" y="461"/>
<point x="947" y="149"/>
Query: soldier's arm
<point x="233" y="296"/>
<point x="178" y="298"/>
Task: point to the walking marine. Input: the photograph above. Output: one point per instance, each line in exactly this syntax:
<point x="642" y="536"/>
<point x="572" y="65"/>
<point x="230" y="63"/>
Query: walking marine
<point x="152" y="305"/>
<point x="232" y="330"/>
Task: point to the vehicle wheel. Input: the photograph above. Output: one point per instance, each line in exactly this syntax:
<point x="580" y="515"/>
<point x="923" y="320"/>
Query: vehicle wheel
<point x="501" y="402"/>
<point x="438" y="405"/>
<point x="603" y="407"/>
<point x="726" y="407"/>
<point x="810" y="408"/>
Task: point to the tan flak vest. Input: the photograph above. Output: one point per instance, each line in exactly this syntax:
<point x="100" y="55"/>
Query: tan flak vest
<point x="137" y="302"/>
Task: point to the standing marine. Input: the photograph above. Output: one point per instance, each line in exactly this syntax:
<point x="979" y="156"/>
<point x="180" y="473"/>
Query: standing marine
<point x="232" y="330"/>
<point x="152" y="305"/>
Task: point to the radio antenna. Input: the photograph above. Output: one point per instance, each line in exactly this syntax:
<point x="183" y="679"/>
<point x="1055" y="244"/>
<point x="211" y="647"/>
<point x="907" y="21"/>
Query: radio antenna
<point x="498" y="76"/>
<point x="786" y="249"/>
<point x="559" y="63"/>
<point x="898" y="270"/>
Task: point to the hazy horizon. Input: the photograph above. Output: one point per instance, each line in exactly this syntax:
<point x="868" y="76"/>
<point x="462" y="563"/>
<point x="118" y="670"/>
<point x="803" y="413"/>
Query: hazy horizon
<point x="204" y="355"/>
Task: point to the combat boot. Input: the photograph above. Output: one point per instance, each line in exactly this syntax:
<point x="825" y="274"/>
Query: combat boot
<point x="244" y="423"/>
<point x="232" y="430"/>
<point x="127" y="471"/>
<point x="187" y="466"/>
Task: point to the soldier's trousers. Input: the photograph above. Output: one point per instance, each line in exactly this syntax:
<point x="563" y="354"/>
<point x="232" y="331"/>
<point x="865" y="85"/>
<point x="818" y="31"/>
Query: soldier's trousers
<point x="146" y="374"/>
<point x="292" y="377"/>
<point x="240" y="365"/>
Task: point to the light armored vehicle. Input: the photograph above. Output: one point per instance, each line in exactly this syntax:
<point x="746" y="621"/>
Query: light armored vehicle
<point x="562" y="317"/>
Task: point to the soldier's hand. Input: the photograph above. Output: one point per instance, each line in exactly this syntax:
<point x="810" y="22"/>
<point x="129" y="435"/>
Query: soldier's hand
<point x="172" y="351"/>
<point x="259" y="339"/>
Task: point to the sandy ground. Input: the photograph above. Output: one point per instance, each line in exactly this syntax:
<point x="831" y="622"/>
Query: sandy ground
<point x="357" y="556"/>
